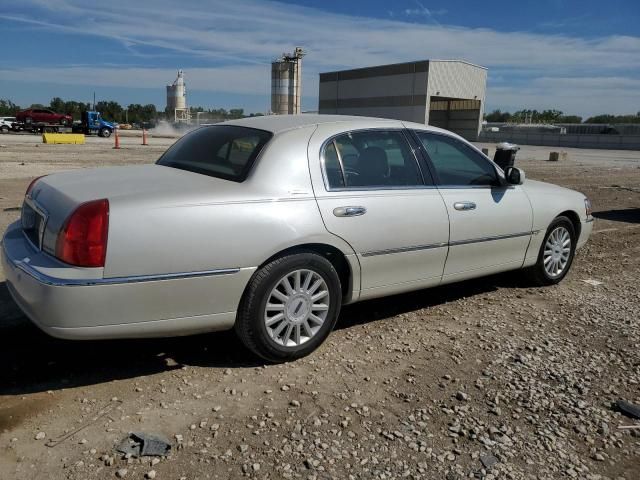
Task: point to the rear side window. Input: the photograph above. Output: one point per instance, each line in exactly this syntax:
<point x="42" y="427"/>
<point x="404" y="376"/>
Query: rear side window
<point x="372" y="158"/>
<point x="222" y="151"/>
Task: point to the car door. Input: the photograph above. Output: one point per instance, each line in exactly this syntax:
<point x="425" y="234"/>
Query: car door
<point x="372" y="193"/>
<point x="490" y="221"/>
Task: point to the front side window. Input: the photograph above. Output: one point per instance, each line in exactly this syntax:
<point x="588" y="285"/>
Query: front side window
<point x="455" y="163"/>
<point x="372" y="158"/>
<point x="222" y="151"/>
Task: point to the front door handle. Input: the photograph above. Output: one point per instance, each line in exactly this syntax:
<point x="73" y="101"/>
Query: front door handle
<point x="464" y="206"/>
<point x="349" y="211"/>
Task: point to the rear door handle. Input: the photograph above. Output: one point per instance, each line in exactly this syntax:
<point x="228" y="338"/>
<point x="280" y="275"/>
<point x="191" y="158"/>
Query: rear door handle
<point x="464" y="206"/>
<point x="349" y="211"/>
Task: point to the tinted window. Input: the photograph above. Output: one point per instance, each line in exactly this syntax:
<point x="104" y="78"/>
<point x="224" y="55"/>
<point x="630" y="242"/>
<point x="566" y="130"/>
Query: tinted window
<point x="456" y="163"/>
<point x="222" y="151"/>
<point x="371" y="159"/>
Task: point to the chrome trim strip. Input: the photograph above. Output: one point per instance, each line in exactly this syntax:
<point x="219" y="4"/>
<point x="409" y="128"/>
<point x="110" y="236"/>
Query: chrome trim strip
<point x="404" y="249"/>
<point x="446" y="244"/>
<point x="85" y="282"/>
<point x="489" y="239"/>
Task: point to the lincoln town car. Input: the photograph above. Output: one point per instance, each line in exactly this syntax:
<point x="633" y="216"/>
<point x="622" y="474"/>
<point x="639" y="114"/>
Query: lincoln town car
<point x="269" y="225"/>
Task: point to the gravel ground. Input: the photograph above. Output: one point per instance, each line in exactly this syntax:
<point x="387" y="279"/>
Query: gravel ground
<point x="484" y="379"/>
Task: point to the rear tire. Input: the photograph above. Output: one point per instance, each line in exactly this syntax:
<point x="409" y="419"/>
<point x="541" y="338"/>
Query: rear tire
<point x="281" y="321"/>
<point x="556" y="255"/>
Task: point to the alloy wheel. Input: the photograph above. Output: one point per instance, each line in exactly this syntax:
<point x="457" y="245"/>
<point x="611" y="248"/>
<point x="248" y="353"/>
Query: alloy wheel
<point x="296" y="308"/>
<point x="557" y="251"/>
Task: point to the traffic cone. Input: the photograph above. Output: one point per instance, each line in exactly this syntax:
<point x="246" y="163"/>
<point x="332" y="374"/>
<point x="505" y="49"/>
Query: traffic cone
<point x="117" y="139"/>
<point x="144" y="137"/>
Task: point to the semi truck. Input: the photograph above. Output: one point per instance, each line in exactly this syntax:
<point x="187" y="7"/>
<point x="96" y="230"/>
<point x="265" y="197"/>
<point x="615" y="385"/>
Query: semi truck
<point x="91" y="122"/>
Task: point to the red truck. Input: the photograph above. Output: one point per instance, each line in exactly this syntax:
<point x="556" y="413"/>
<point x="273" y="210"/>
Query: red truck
<point x="42" y="116"/>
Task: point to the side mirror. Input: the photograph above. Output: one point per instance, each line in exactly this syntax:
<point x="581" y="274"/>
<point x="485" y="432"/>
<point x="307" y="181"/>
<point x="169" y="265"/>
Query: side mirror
<point x="514" y="176"/>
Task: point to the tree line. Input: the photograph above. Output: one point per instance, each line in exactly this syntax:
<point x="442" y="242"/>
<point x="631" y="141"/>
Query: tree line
<point x="113" y="111"/>
<point x="555" y="116"/>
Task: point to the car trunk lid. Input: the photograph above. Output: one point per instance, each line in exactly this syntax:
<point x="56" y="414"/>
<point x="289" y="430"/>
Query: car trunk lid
<point x="54" y="197"/>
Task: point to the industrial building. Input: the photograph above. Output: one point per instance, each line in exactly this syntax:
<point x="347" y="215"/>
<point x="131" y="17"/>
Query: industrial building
<point x="177" y="99"/>
<point x="444" y="93"/>
<point x="286" y="83"/>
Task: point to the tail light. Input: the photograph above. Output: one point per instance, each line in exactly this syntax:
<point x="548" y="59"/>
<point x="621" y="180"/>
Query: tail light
<point x="82" y="241"/>
<point x="32" y="184"/>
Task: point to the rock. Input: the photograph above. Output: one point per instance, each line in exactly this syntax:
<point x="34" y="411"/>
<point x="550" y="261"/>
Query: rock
<point x="488" y="461"/>
<point x="294" y="403"/>
<point x="151" y="474"/>
<point x="463" y="397"/>
<point x="40" y="436"/>
<point x="121" y="473"/>
<point x="255" y="467"/>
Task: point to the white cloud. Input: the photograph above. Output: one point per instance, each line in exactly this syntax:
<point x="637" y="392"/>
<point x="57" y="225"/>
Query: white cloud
<point x="238" y="39"/>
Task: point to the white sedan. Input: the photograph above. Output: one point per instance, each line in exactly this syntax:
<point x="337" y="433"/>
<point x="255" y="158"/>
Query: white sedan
<point x="269" y="225"/>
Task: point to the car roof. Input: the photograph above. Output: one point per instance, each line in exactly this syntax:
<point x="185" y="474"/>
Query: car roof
<point x="280" y="123"/>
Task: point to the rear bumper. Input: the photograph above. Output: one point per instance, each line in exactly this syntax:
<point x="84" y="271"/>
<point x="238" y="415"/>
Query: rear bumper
<point x="65" y="302"/>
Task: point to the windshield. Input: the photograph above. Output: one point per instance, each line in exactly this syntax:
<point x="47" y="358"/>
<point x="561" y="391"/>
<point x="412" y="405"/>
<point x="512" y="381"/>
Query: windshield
<point x="222" y="151"/>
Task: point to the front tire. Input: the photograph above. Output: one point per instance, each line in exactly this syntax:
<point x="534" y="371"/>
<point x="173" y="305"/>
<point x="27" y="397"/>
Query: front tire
<point x="105" y="132"/>
<point x="556" y="254"/>
<point x="289" y="307"/>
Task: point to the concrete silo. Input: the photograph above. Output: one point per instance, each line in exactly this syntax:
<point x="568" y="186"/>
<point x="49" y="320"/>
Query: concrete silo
<point x="286" y="83"/>
<point x="177" y="99"/>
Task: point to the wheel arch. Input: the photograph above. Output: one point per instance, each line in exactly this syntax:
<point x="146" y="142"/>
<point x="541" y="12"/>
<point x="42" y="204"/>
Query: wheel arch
<point x="333" y="254"/>
<point x="575" y="220"/>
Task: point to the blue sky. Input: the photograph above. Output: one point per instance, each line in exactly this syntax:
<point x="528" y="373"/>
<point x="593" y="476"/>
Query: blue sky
<point x="580" y="56"/>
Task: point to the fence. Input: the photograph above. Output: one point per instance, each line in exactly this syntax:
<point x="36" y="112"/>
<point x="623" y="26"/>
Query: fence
<point x="610" y="142"/>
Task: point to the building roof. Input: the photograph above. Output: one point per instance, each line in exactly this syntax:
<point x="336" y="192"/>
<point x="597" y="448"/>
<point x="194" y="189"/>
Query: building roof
<point x="395" y="68"/>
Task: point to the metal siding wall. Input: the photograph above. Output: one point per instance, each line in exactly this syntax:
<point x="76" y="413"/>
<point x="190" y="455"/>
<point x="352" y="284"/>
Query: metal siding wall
<point x="388" y="91"/>
<point x="396" y="85"/>
<point x="460" y="80"/>
<point x="609" y="142"/>
<point x="410" y="114"/>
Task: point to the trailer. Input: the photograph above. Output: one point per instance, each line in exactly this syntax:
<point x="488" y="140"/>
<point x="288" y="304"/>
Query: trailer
<point x="91" y="123"/>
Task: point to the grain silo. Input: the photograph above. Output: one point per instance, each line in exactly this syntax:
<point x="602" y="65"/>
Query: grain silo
<point x="177" y="99"/>
<point x="286" y="83"/>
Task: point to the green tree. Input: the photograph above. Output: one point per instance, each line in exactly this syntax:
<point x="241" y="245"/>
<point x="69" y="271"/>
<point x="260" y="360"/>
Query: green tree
<point x="570" y="119"/>
<point x="8" y="108"/>
<point x="57" y="105"/>
<point x="614" y="119"/>
<point x="497" y="116"/>
<point x="110" y="110"/>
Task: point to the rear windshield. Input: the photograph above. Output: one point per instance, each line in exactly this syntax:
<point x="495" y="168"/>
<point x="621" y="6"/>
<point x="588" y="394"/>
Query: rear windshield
<point x="222" y="151"/>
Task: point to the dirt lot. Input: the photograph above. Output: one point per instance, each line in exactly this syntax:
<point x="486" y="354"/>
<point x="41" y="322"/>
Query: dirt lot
<point x="486" y="379"/>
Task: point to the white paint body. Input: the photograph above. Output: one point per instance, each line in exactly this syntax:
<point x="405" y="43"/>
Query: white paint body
<point x="183" y="246"/>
